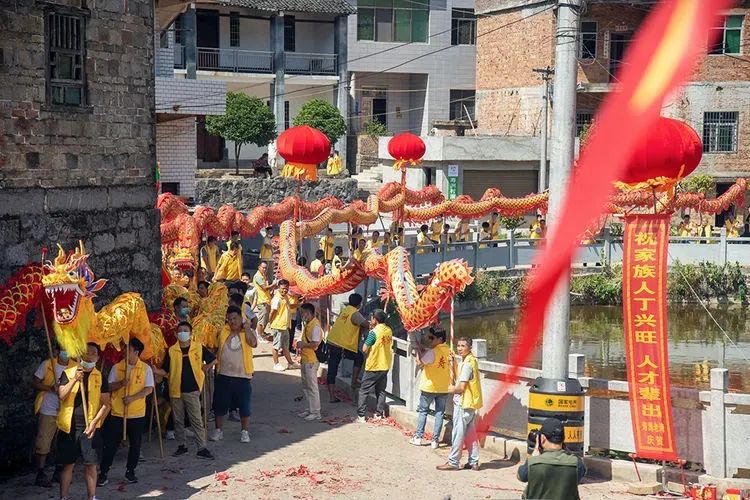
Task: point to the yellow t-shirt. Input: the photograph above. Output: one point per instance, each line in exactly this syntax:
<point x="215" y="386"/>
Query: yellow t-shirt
<point x="209" y="258"/>
<point x="281" y="316"/>
<point x="326" y="244"/>
<point x="261" y="296"/>
<point x="229" y="267"/>
<point x="436" y="376"/>
<point x="495" y="230"/>
<point x="334" y="165"/>
<point x="266" y="249"/>
<point x="436" y="229"/>
<point x="315" y="267"/>
<point x="423" y="241"/>
<point x="344" y="333"/>
<point x="373" y="244"/>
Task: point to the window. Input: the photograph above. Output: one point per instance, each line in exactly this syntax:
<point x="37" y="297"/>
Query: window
<point x="286" y="115"/>
<point x="587" y="45"/>
<point x="171" y="187"/>
<point x="720" y="132"/>
<point x="290" y="38"/>
<point x="461" y="101"/>
<point x="179" y="37"/>
<point x="66" y="58"/>
<point x="583" y="120"/>
<point x="393" y="20"/>
<point x="463" y="27"/>
<point x="727" y="39"/>
<point x="234" y="29"/>
<point x="164" y="40"/>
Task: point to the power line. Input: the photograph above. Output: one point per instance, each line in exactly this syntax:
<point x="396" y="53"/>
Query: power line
<point x="372" y="74"/>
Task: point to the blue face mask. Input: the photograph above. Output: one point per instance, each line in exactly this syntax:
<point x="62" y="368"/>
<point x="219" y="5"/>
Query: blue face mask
<point x="183" y="336"/>
<point x="88" y="365"/>
<point x="184" y="312"/>
<point x="63" y="356"/>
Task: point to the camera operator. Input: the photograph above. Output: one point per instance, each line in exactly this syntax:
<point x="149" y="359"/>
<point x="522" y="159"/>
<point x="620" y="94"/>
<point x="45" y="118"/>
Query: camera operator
<point x="551" y="472"/>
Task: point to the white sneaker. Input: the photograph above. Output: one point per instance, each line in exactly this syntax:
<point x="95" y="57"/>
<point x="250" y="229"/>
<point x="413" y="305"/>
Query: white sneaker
<point x="279" y="367"/>
<point x="434" y="445"/>
<point x="244" y="437"/>
<point x="416" y="441"/>
<point x="361" y="420"/>
<point x="377" y="417"/>
<point x="303" y="414"/>
<point x="294" y="366"/>
<point x="216" y="435"/>
<point x="169" y="436"/>
<point x="312" y="416"/>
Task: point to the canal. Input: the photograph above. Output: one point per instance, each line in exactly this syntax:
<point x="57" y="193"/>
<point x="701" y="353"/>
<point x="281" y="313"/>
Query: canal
<point x="695" y="342"/>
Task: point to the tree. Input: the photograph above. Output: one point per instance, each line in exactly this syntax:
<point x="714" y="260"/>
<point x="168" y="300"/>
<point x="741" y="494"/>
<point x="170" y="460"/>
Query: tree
<point x="698" y="183"/>
<point x="247" y="120"/>
<point x="374" y="128"/>
<point x="323" y="116"/>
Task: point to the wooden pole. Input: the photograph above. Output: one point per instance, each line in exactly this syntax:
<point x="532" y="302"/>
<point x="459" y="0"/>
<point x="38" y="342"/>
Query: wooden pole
<point x="205" y="403"/>
<point x="151" y="418"/>
<point x="126" y="380"/>
<point x="158" y="423"/>
<point x="453" y="373"/>
<point x="46" y="330"/>
<point x="82" y="388"/>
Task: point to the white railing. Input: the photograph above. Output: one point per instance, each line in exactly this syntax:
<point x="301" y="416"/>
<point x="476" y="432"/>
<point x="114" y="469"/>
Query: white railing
<point x="710" y="426"/>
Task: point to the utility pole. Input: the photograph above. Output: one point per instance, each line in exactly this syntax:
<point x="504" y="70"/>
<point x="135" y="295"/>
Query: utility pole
<point x="556" y="335"/>
<point x="546" y="77"/>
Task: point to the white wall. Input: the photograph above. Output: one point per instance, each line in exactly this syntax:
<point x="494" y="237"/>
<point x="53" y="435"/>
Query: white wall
<point x="176" y="153"/>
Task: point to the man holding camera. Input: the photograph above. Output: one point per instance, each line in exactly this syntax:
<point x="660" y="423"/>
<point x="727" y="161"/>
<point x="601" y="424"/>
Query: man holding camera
<point x="551" y="472"/>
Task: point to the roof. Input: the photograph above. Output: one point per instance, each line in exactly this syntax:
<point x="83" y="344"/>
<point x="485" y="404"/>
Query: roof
<point x="316" y="6"/>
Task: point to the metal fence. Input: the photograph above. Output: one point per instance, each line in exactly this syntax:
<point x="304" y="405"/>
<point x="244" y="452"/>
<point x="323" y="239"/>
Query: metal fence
<point x="301" y="63"/>
<point x="234" y="60"/>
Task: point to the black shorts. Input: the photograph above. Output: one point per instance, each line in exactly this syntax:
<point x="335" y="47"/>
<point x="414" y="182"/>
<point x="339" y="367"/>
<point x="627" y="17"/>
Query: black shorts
<point x="71" y="447"/>
<point x="335" y="355"/>
<point x="230" y="393"/>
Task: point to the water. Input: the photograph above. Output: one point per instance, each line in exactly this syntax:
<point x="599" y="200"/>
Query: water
<point x="695" y="343"/>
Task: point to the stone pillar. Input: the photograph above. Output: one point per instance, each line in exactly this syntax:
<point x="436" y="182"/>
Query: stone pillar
<point x="576" y="365"/>
<point x="277" y="46"/>
<point x="190" y="37"/>
<point x="723" y="247"/>
<point x="479" y="348"/>
<point x="341" y="47"/>
<point x="715" y="447"/>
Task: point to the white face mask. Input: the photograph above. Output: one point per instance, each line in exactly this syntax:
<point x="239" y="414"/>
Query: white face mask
<point x="183" y="336"/>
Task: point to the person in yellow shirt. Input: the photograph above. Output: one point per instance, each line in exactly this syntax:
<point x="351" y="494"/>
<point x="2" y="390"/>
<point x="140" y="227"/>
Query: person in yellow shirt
<point x="210" y="257"/>
<point x="186" y="366"/>
<point x="398" y="237"/>
<point x="360" y="253"/>
<point x="130" y="381"/>
<point x="535" y="229"/>
<point x="343" y="343"/>
<point x="436" y="379"/>
<point x="337" y="261"/>
<point x="378" y="347"/>
<point x="327" y="245"/>
<point x="78" y="427"/>
<point x="733" y="227"/>
<point x="266" y="246"/>
<point x="262" y="301"/>
<point x="705" y="230"/>
<point x="46" y="406"/>
<point x="334" y="165"/>
<point x="424" y="243"/>
<point x="495" y="226"/>
<point x="436" y="229"/>
<point x="230" y="264"/>
<point x="317" y="268"/>
<point x="278" y="325"/>
<point x="374" y="242"/>
<point x="463" y="232"/>
<point x="485" y="234"/>
<point x="467" y="401"/>
<point x="234" y="370"/>
<point x="445" y="236"/>
<point x="387" y="241"/>
<point x="312" y="336"/>
<point x="686" y="228"/>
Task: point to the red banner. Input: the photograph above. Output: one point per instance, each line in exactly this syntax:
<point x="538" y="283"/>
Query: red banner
<point x="644" y="294"/>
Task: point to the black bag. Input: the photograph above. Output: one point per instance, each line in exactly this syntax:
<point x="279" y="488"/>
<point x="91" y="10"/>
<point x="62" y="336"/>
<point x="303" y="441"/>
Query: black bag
<point x="322" y="352"/>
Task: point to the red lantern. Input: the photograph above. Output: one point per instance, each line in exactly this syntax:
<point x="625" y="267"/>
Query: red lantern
<point x="406" y="148"/>
<point x="671" y="152"/>
<point x="303" y="148"/>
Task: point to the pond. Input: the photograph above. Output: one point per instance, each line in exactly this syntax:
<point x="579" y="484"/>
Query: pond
<point x="695" y="343"/>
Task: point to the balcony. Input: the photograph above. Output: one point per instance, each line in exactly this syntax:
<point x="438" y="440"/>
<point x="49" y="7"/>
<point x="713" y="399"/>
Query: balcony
<point x="233" y="60"/>
<point x="301" y="63"/>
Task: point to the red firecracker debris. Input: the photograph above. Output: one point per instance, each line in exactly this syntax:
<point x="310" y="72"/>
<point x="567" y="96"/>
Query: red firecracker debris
<point x="494" y="487"/>
<point x="223" y="477"/>
<point x="122" y="486"/>
<point x="284" y="430"/>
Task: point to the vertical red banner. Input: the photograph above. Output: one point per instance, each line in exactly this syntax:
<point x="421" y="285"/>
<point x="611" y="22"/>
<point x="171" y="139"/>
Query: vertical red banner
<point x="644" y="293"/>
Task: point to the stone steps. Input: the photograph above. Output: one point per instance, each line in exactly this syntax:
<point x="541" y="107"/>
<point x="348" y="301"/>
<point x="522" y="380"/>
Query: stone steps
<point x="370" y="179"/>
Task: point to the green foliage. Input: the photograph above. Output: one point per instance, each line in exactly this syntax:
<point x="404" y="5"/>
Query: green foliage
<point x="600" y="288"/>
<point x="247" y="120"/>
<point x="489" y="287"/>
<point x="374" y="128"/>
<point x="323" y="116"/>
<point x="586" y="131"/>
<point x="512" y="222"/>
<point x="707" y="280"/>
<point x="698" y="183"/>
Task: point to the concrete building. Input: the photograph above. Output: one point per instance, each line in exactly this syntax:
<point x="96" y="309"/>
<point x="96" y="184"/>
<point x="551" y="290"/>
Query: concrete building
<point x="411" y="63"/>
<point x="77" y="161"/>
<point x="716" y="102"/>
<point x="285" y="52"/>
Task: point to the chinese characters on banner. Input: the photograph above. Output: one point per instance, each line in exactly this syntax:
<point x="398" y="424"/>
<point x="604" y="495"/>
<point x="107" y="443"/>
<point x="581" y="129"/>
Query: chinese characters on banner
<point x="644" y="293"/>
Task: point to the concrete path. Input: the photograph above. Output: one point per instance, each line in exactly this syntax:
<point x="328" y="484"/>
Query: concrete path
<point x="289" y="458"/>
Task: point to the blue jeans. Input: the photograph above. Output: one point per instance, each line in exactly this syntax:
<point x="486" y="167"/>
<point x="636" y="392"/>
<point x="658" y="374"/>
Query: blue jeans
<point x="464" y="429"/>
<point x="425" y="400"/>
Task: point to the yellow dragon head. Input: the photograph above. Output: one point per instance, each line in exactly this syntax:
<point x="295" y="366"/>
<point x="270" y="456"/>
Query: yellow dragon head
<point x="179" y="260"/>
<point x="69" y="287"/>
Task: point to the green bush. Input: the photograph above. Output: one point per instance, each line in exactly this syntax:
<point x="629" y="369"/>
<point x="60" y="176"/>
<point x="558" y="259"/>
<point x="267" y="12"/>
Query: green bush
<point x="323" y="116"/>
<point x="490" y="286"/>
<point x="374" y="128"/>
<point x="601" y="288"/>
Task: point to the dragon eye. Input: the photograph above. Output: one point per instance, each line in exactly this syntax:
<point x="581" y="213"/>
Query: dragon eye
<point x="72" y="274"/>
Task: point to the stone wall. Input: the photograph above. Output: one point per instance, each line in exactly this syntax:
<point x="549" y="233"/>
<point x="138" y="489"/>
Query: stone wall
<point x="74" y="172"/>
<point x="246" y="194"/>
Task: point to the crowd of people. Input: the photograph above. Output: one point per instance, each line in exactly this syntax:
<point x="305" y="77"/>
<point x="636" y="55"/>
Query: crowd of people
<point x="88" y="410"/>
